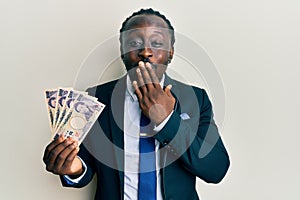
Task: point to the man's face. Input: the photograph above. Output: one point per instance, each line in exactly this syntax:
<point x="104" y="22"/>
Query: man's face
<point x="82" y="108"/>
<point x="147" y="39"/>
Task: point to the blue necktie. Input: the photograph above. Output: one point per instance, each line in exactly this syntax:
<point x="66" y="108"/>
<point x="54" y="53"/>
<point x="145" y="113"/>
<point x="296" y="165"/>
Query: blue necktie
<point x="147" y="172"/>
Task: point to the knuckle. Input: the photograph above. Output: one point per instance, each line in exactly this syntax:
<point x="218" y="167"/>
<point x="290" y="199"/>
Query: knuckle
<point x="143" y="102"/>
<point x="65" y="143"/>
<point x="45" y="160"/>
<point x="52" y="154"/>
<point x="69" y="159"/>
<point x="49" y="168"/>
<point x="71" y="147"/>
<point x="76" y="143"/>
<point x="47" y="150"/>
<point x="154" y="95"/>
<point x="60" y="158"/>
<point x="55" y="171"/>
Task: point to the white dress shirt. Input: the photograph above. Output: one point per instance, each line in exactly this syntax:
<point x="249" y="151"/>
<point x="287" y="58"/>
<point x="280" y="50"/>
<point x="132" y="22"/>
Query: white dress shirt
<point x="132" y="113"/>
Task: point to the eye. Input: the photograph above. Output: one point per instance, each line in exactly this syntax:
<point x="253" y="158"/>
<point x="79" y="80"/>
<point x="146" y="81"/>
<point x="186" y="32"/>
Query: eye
<point x="135" y="43"/>
<point x="157" y="44"/>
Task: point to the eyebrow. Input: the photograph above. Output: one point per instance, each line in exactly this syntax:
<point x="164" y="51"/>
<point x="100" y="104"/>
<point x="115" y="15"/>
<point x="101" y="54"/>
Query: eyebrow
<point x="161" y="33"/>
<point x="135" y="30"/>
<point x="131" y="31"/>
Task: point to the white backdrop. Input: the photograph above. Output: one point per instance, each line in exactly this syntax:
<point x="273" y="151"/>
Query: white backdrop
<point x="254" y="44"/>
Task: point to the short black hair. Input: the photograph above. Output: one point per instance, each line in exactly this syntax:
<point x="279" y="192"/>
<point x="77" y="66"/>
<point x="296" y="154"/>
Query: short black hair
<point x="148" y="11"/>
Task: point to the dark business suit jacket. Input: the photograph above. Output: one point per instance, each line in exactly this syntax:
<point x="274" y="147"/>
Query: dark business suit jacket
<point x="190" y="145"/>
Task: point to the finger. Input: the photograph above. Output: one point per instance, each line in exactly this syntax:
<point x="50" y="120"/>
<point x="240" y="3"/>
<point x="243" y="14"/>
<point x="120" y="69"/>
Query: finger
<point x="140" y="80"/>
<point x="137" y="90"/>
<point x="63" y="156"/>
<point x="52" y="145"/>
<point x="145" y="74"/>
<point x="70" y="158"/>
<point x="152" y="74"/>
<point x="54" y="153"/>
<point x="168" y="90"/>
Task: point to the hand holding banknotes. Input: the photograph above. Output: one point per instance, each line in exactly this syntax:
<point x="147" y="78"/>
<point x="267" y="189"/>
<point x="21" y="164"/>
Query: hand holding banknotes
<point x="71" y="115"/>
<point x="61" y="158"/>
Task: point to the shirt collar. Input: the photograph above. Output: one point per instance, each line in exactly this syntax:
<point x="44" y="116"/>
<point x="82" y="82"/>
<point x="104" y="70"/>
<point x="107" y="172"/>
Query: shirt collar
<point x="130" y="89"/>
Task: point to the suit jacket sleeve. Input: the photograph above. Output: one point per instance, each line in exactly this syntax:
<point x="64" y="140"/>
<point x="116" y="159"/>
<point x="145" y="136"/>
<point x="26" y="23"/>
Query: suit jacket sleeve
<point x="196" y="141"/>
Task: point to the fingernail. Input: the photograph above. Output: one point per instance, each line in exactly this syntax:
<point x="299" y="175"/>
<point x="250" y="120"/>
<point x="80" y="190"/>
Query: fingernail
<point x="148" y="65"/>
<point x="138" y="70"/>
<point x="56" y="136"/>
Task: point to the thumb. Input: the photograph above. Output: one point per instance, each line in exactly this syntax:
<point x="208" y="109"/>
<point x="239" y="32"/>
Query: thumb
<point x="168" y="90"/>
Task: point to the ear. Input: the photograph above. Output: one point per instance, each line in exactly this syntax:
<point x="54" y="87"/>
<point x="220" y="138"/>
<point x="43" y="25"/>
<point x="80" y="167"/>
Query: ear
<point x="171" y="53"/>
<point x="121" y="50"/>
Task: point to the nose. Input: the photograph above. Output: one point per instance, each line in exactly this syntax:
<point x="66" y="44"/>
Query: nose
<point x="145" y="53"/>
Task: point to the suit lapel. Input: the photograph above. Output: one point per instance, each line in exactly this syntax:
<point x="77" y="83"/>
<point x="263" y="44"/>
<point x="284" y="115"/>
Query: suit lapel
<point x="163" y="152"/>
<point x="175" y="91"/>
<point x="117" y="126"/>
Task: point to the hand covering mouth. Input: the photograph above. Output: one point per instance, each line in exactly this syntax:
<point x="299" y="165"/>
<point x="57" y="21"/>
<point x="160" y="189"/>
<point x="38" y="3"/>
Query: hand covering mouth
<point x="145" y="60"/>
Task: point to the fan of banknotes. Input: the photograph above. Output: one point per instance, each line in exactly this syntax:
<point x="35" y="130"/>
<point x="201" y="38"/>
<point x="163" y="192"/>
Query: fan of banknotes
<point x="71" y="113"/>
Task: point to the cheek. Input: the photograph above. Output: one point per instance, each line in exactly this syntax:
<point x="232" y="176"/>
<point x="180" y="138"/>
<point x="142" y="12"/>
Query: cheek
<point x="161" y="56"/>
<point x="131" y="56"/>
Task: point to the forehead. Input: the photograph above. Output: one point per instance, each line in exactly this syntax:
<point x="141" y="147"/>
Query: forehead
<point x="141" y="21"/>
<point x="146" y="25"/>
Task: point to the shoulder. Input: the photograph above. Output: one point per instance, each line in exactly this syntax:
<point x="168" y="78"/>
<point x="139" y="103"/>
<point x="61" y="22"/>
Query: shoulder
<point x="189" y="94"/>
<point x="186" y="88"/>
<point x="103" y="91"/>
